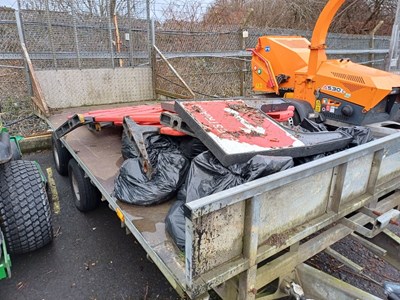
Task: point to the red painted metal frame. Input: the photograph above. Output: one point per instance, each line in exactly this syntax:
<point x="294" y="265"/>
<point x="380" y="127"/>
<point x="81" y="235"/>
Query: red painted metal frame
<point x="282" y="116"/>
<point x="141" y="114"/>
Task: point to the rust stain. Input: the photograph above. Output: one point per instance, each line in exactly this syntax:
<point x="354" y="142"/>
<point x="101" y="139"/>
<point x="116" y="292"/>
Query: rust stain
<point x="279" y="239"/>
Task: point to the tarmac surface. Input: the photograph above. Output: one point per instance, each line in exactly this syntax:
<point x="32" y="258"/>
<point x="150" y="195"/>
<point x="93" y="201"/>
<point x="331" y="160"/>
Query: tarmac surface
<point x="90" y="257"/>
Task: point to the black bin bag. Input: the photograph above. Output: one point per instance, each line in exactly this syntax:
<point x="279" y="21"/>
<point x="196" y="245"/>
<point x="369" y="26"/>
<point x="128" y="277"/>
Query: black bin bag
<point x="191" y="147"/>
<point x="170" y="168"/>
<point x="208" y="176"/>
<point x="361" y="134"/>
<point x="127" y="147"/>
<point x="175" y="223"/>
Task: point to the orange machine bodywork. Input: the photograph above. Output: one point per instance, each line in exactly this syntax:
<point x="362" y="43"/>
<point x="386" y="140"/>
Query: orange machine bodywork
<point x="346" y="80"/>
<point x="285" y="54"/>
<point x="293" y="64"/>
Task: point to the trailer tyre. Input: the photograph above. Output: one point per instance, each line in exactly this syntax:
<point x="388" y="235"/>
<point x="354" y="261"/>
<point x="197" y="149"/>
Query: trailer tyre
<point x="61" y="156"/>
<point x="25" y="216"/>
<point x="86" y="196"/>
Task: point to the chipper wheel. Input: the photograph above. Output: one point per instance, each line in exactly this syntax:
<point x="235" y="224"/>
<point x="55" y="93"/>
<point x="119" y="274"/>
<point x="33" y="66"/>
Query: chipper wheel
<point x="25" y="216"/>
<point x="61" y="156"/>
<point x="86" y="196"/>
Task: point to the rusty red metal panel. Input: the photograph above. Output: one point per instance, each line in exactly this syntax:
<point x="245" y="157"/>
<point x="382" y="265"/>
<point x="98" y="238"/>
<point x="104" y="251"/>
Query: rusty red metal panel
<point x="237" y="127"/>
<point x="235" y="132"/>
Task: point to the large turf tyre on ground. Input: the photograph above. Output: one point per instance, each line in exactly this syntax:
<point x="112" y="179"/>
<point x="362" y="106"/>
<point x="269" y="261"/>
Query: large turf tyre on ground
<point x="25" y="215"/>
<point x="86" y="196"/>
<point x="61" y="156"/>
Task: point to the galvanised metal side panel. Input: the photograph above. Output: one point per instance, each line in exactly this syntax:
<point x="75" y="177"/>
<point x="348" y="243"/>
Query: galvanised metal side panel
<point x="72" y="88"/>
<point x="220" y="238"/>
<point x="311" y="194"/>
<point x="294" y="204"/>
<point x="390" y="168"/>
<point x="356" y="179"/>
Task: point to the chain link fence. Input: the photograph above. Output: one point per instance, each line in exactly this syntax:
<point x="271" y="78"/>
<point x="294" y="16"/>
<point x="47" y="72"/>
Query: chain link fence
<point x="209" y="55"/>
<point x="11" y="69"/>
<point x="65" y="34"/>
<point x="13" y="84"/>
<point x="213" y="60"/>
<point x="81" y="35"/>
<point x="214" y="63"/>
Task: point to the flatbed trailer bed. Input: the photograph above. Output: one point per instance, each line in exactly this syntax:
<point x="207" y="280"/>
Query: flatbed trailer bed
<point x="283" y="219"/>
<point x="99" y="154"/>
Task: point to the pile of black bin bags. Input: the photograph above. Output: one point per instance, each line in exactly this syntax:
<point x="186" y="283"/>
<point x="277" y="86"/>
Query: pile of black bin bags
<point x="169" y="165"/>
<point x="183" y="167"/>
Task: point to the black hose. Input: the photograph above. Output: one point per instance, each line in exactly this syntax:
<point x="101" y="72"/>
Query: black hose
<point x="19" y="120"/>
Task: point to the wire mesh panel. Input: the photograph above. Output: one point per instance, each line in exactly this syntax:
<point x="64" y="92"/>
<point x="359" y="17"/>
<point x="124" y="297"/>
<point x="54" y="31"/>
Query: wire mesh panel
<point x="197" y="41"/>
<point x="133" y="31"/>
<point x="72" y="34"/>
<point x="94" y="38"/>
<point x="14" y="102"/>
<point x="207" y="76"/>
<point x="9" y="42"/>
<point x="37" y="34"/>
<point x="204" y="54"/>
<point x="208" y="51"/>
<point x="76" y="47"/>
<point x="357" y="45"/>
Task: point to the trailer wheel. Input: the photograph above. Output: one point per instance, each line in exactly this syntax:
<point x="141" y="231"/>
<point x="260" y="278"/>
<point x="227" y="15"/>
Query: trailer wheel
<point x="25" y="216"/>
<point x="61" y="156"/>
<point x="86" y="196"/>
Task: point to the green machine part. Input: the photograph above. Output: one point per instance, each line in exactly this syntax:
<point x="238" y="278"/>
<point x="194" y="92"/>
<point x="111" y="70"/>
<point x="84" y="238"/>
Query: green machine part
<point x="15" y="139"/>
<point x="5" y="261"/>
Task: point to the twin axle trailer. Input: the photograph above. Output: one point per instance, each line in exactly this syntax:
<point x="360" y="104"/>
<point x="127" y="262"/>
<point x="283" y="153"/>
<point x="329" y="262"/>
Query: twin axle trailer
<point x="240" y="240"/>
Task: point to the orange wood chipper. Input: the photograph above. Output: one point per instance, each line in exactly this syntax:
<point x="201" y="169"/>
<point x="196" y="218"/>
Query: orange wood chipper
<point x="338" y="91"/>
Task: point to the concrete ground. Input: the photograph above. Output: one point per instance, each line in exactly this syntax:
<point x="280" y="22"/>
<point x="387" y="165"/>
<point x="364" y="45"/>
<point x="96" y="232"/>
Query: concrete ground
<point x="91" y="257"/>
